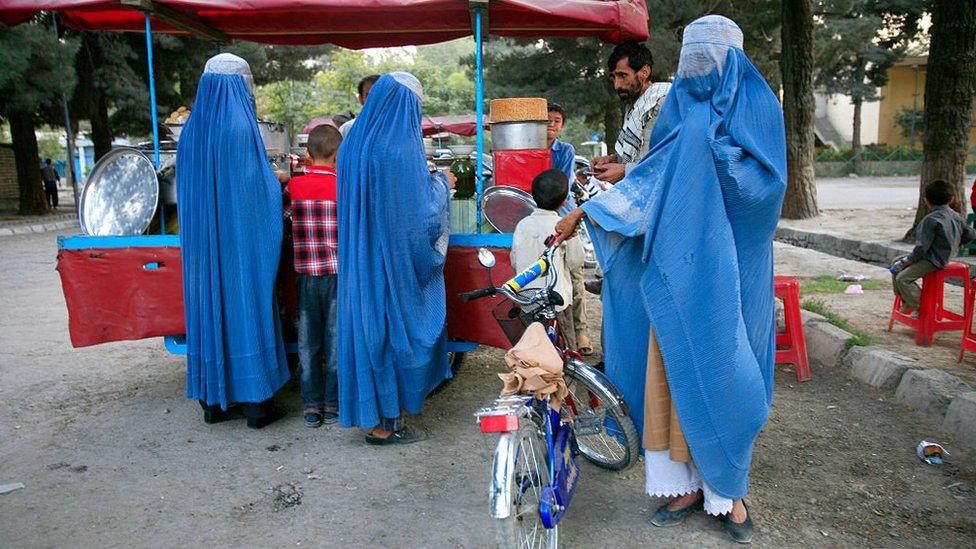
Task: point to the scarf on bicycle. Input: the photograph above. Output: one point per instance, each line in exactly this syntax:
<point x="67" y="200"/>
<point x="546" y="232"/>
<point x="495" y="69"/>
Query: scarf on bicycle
<point x="229" y="205"/>
<point x="693" y="223"/>
<point x="393" y="223"/>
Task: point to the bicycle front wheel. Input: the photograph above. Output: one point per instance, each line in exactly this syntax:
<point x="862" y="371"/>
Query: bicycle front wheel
<point x="519" y="474"/>
<point x="605" y="434"/>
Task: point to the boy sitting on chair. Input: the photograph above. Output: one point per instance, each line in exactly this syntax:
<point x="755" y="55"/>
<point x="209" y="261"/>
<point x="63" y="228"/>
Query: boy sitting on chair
<point x="937" y="240"/>
<point x="528" y="243"/>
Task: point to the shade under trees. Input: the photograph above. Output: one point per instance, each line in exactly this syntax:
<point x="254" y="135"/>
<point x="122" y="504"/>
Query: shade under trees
<point x="34" y="68"/>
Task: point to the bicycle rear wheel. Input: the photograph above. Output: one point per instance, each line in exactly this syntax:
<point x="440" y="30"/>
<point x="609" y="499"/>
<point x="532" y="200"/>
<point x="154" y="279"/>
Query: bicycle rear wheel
<point x="605" y="434"/>
<point x="519" y="474"/>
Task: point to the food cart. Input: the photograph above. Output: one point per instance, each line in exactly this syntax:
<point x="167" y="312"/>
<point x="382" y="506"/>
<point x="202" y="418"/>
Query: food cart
<point x="130" y="287"/>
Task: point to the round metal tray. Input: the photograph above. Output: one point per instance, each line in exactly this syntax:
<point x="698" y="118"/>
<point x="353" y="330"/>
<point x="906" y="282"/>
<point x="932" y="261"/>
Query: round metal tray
<point x="505" y="206"/>
<point x="121" y="195"/>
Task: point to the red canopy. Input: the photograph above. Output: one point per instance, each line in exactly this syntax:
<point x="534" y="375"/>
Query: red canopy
<point x="357" y="23"/>
<point x="458" y="125"/>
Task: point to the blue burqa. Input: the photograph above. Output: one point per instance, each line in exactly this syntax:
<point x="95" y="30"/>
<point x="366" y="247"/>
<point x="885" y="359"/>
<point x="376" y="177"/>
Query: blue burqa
<point x="393" y="228"/>
<point x="229" y="204"/>
<point x="564" y="160"/>
<point x="692" y="227"/>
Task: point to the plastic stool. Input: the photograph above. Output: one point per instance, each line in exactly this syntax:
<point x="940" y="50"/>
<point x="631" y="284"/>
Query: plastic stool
<point x="932" y="315"/>
<point x="787" y="288"/>
<point x="968" y="342"/>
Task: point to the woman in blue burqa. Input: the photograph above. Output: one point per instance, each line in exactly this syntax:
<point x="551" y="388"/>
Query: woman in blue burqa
<point x="692" y="227"/>
<point x="229" y="204"/>
<point x="393" y="229"/>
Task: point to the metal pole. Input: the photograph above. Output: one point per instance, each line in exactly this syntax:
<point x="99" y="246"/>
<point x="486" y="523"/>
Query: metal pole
<point x="69" y="137"/>
<point x="152" y="113"/>
<point x="479" y="94"/>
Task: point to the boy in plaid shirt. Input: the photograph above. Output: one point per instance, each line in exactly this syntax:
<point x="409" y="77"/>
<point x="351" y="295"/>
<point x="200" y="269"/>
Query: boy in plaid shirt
<point x="314" y="226"/>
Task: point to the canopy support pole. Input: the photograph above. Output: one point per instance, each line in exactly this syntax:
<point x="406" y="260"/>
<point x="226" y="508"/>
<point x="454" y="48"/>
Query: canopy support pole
<point x="153" y="115"/>
<point x="69" y="136"/>
<point x="479" y="94"/>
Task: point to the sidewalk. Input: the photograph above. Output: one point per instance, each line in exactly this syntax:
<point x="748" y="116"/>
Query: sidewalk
<point x="63" y="217"/>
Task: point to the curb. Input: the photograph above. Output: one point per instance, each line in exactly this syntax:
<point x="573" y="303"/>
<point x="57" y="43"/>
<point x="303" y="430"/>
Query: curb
<point x="875" y="253"/>
<point x="38" y="227"/>
<point x="940" y="395"/>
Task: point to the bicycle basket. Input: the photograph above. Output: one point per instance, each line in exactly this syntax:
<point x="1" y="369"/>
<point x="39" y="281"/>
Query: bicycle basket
<point x="511" y="320"/>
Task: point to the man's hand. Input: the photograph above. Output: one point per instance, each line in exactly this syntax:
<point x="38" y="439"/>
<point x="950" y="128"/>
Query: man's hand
<point x="611" y="173"/>
<point x="566" y="227"/>
<point x="451" y="178"/>
<point x="283" y="176"/>
<point x="600" y="160"/>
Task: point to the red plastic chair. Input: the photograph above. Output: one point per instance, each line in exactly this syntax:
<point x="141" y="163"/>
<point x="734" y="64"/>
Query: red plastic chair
<point x="792" y="341"/>
<point x="968" y="342"/>
<point x="932" y="314"/>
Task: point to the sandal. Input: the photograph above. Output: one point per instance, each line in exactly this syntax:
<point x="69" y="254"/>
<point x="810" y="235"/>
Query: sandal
<point x="405" y="435"/>
<point x="583" y="345"/>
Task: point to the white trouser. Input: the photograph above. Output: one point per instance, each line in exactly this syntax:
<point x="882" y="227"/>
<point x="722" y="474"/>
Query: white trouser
<point x="671" y="479"/>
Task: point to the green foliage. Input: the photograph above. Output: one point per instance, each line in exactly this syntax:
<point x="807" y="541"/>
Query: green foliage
<point x="448" y="86"/>
<point x="830" y="285"/>
<point x="871" y="153"/>
<point x="859" y="338"/>
<point x="34" y="68"/>
<point x="903" y="118"/>
<point x="573" y="73"/>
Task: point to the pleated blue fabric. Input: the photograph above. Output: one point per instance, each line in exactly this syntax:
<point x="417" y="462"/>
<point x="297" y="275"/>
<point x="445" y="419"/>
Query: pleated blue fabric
<point x="564" y="160"/>
<point x="393" y="230"/>
<point x="229" y="204"/>
<point x="693" y="225"/>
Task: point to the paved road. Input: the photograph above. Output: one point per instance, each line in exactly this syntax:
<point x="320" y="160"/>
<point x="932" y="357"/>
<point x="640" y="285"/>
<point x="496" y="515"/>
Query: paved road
<point x="867" y="193"/>
<point x="113" y="455"/>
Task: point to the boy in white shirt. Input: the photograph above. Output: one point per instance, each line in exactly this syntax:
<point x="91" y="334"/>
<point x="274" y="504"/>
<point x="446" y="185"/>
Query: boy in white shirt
<point x="528" y="243"/>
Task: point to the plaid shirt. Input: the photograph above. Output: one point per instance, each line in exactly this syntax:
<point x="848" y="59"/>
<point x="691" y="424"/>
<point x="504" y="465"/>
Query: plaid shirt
<point x="313" y="219"/>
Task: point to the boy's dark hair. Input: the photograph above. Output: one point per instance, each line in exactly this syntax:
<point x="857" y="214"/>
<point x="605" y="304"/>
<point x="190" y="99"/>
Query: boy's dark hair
<point x="47" y="160"/>
<point x="371" y="79"/>
<point x="556" y="107"/>
<point x="938" y="193"/>
<point x="549" y="189"/>
<point x="637" y="54"/>
<point x="323" y="141"/>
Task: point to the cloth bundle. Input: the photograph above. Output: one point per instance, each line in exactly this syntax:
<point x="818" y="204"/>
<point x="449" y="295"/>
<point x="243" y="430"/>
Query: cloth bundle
<point x="537" y="368"/>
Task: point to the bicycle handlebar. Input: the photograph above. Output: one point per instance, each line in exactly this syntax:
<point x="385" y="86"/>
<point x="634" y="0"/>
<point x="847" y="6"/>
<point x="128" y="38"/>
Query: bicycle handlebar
<point x="512" y="287"/>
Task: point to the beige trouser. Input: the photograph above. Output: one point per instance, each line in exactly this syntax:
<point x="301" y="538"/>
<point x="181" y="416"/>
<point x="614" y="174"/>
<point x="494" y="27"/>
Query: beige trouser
<point x="905" y="282"/>
<point x="579" y="302"/>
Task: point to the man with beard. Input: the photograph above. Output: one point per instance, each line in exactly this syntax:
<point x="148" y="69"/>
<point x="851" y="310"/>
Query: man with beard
<point x="630" y="67"/>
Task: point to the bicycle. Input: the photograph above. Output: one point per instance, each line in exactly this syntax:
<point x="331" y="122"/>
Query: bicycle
<point x="534" y="469"/>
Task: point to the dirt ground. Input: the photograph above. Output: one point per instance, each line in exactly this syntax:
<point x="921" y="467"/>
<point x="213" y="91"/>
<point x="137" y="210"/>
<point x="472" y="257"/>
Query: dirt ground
<point x="113" y="455"/>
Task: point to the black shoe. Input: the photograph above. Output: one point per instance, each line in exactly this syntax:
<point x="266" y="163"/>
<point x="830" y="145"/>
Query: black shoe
<point x="214" y="414"/>
<point x="740" y="533"/>
<point x="329" y="417"/>
<point x="262" y="414"/>
<point x="313" y="419"/>
<point x="664" y="517"/>
<point x="594" y="286"/>
<point x="406" y="435"/>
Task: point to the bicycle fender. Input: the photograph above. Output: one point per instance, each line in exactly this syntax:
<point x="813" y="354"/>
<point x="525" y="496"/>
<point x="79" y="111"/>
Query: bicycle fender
<point x="582" y="370"/>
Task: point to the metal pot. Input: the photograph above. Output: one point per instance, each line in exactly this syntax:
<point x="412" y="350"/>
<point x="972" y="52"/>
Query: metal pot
<point x="275" y="137"/>
<point x="516" y="136"/>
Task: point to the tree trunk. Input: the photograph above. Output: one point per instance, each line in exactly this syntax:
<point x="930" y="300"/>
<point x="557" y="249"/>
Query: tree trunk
<point x="856" y="137"/>
<point x="32" y="201"/>
<point x="796" y="65"/>
<point x="950" y="87"/>
<point x="101" y="131"/>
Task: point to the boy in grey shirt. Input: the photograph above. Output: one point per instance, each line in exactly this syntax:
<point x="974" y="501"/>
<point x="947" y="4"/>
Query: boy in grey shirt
<point x="937" y="240"/>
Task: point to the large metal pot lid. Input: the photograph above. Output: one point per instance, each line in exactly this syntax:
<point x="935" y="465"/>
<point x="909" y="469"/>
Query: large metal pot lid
<point x="121" y="195"/>
<point x="505" y="206"/>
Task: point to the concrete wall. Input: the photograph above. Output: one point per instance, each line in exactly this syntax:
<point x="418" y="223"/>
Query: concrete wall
<point x="839" y="112"/>
<point x="905" y="80"/>
<point x="8" y="173"/>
